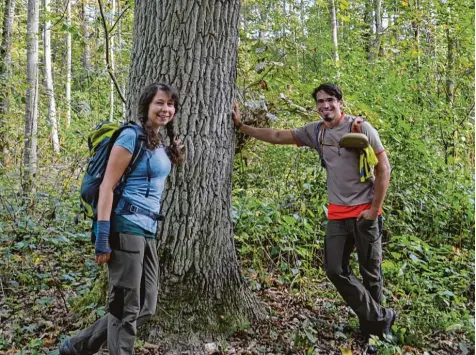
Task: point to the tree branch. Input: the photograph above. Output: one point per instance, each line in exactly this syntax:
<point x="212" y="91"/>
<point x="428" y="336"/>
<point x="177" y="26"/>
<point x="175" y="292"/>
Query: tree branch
<point x="62" y="15"/>
<point x="119" y="17"/>
<point x="264" y="75"/>
<point x="108" y="64"/>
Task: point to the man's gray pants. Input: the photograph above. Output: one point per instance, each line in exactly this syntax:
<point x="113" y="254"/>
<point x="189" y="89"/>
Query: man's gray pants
<point x="133" y="284"/>
<point x="363" y="297"/>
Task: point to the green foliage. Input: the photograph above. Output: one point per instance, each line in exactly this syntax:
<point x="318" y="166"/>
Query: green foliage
<point x="279" y="214"/>
<point x="39" y="256"/>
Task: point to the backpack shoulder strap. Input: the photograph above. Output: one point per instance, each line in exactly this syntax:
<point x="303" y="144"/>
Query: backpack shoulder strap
<point x="320" y="132"/>
<point x="356" y="124"/>
<point x="139" y="150"/>
<point x="138" y="147"/>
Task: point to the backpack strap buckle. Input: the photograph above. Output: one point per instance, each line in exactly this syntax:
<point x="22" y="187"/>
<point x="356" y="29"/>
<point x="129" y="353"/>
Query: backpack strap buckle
<point x="133" y="209"/>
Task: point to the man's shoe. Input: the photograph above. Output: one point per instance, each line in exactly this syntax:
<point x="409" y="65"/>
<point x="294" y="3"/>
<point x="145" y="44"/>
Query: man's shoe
<point x="66" y="348"/>
<point x="371" y="349"/>
<point x="365" y="330"/>
<point x="391" y="317"/>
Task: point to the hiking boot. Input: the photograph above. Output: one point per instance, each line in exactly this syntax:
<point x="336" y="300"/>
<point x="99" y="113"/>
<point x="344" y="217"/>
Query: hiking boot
<point x="66" y="348"/>
<point x="371" y="349"/>
<point x="391" y="317"/>
<point x="365" y="330"/>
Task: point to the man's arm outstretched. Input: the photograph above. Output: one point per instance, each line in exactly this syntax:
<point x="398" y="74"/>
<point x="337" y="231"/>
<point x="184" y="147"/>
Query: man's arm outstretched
<point x="269" y="135"/>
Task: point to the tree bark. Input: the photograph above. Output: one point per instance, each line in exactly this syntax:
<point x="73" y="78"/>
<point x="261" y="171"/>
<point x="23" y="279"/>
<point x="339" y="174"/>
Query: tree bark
<point x="5" y="62"/>
<point x="31" y="110"/>
<point x="50" y="92"/>
<point x="193" y="46"/>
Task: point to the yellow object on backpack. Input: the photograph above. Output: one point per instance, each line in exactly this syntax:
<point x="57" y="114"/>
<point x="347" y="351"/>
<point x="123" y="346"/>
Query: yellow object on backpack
<point x="367" y="161"/>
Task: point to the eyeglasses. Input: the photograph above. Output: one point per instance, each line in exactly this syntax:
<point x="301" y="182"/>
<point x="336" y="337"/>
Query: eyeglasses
<point x="329" y="100"/>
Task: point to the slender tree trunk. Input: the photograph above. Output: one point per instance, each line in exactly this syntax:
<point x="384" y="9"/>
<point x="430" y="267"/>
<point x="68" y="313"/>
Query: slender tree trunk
<point x="332" y="10"/>
<point x="113" y="66"/>
<point x="5" y="62"/>
<point x="193" y="46"/>
<point x="86" y="57"/>
<point x="378" y="28"/>
<point x="416" y="31"/>
<point x="50" y="92"/>
<point x="68" y="65"/>
<point x="119" y="50"/>
<point x="31" y="111"/>
<point x="450" y="64"/>
<point x="450" y="87"/>
<point x="368" y="29"/>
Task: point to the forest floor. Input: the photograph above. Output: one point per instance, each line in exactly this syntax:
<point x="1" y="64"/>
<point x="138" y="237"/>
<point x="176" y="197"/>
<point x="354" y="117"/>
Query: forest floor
<point x="39" y="286"/>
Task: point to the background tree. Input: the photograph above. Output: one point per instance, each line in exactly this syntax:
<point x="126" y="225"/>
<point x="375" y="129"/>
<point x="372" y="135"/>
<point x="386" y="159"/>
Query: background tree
<point x="69" y="64"/>
<point x="5" y="62"/>
<point x="50" y="92"/>
<point x="334" y="24"/>
<point x="31" y="112"/>
<point x="112" y="49"/>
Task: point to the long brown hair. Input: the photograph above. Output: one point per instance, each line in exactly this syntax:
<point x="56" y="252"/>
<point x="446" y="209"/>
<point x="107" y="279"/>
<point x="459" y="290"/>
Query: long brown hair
<point x="154" y="140"/>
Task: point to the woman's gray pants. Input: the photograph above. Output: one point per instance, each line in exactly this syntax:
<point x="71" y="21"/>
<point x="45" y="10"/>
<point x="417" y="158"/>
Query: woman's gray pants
<point x="133" y="284"/>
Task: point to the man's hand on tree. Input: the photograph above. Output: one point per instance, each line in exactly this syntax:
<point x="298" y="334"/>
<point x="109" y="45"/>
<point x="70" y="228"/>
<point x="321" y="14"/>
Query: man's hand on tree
<point x="236" y="115"/>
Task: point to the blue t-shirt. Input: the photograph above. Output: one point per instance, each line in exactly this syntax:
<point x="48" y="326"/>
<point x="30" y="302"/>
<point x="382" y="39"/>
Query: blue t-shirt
<point x="136" y="186"/>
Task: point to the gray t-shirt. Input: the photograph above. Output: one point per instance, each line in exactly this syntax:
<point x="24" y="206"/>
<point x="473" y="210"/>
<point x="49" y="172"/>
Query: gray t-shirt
<point x="342" y="164"/>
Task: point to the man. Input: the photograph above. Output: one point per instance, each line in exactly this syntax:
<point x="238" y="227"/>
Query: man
<point x="354" y="206"/>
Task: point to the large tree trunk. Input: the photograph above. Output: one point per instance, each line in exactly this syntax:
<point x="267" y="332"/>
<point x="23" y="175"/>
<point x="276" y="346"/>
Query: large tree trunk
<point x="50" y="92"/>
<point x="5" y="61"/>
<point x="31" y="110"/>
<point x="193" y="46"/>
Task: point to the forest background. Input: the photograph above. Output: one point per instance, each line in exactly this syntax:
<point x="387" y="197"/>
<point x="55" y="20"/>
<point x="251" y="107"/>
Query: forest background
<point x="407" y="66"/>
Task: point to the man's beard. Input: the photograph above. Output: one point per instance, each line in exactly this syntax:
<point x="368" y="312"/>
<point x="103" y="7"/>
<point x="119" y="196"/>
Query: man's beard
<point x="328" y="118"/>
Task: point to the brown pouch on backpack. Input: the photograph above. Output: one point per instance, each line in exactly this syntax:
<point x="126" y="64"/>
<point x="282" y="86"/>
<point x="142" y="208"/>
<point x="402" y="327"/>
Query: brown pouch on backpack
<point x="354" y="140"/>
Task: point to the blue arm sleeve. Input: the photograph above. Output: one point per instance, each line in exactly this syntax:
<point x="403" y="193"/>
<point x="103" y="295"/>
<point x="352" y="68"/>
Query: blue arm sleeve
<point x="101" y="245"/>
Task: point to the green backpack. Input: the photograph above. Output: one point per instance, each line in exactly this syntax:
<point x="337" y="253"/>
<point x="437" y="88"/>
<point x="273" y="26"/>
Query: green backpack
<point x="100" y="142"/>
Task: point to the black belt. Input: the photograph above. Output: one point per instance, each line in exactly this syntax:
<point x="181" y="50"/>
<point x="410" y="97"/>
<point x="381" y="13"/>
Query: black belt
<point x="130" y="209"/>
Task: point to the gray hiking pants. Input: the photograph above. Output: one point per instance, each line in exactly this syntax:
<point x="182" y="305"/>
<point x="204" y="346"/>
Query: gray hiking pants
<point x="133" y="284"/>
<point x="363" y="297"/>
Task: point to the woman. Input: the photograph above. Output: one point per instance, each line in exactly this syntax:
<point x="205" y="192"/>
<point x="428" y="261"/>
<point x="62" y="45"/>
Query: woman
<point x="131" y="250"/>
